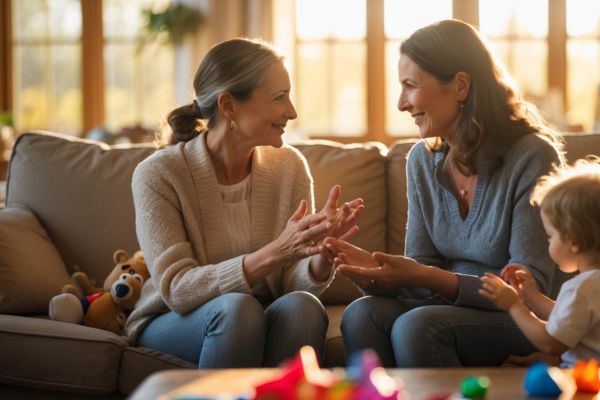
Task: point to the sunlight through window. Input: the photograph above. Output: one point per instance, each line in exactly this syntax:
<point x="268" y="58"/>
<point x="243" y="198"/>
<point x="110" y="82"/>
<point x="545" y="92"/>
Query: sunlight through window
<point x="400" y="22"/>
<point x="340" y="19"/>
<point x="47" y="65"/>
<point x="583" y="54"/>
<point x="508" y="18"/>
<point x="331" y="67"/>
<point x="517" y="31"/>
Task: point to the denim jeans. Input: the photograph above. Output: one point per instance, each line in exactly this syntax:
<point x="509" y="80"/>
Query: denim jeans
<point x="234" y="330"/>
<point x="409" y="333"/>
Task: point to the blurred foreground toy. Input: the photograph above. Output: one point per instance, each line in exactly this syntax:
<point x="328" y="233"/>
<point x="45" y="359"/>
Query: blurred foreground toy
<point x="540" y="383"/>
<point x="370" y="379"/>
<point x="585" y="374"/>
<point x="302" y="379"/>
<point x="474" y="387"/>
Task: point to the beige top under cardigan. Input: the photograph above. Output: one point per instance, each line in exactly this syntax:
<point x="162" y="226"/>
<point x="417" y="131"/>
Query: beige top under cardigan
<point x="180" y="229"/>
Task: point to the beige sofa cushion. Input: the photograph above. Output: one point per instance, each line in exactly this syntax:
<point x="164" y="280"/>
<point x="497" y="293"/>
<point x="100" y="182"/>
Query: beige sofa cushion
<point x="139" y="362"/>
<point x="59" y="356"/>
<point x="81" y="193"/>
<point x="580" y="145"/>
<point x="360" y="170"/>
<point x="31" y="270"/>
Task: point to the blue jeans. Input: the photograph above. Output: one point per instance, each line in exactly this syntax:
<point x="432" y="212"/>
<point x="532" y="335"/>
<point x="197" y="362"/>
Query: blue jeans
<point x="235" y="331"/>
<point x="409" y="333"/>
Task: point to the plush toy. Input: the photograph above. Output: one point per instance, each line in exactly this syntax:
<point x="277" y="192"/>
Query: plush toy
<point x="104" y="308"/>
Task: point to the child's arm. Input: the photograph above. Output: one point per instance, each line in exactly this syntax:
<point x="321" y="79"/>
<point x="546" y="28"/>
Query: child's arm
<point x="522" y="280"/>
<point x="535" y="330"/>
<point x="506" y="298"/>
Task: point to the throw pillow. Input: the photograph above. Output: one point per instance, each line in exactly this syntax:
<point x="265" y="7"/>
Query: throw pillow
<point x="31" y="270"/>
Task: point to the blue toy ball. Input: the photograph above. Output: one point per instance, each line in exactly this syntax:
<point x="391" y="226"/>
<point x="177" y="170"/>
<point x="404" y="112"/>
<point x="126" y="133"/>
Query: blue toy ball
<point x="538" y="383"/>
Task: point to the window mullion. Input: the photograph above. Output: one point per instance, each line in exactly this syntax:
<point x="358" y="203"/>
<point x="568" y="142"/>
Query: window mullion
<point x="466" y="10"/>
<point x="92" y="54"/>
<point x="376" y="71"/>
<point x="6" y="55"/>
<point x="557" y="48"/>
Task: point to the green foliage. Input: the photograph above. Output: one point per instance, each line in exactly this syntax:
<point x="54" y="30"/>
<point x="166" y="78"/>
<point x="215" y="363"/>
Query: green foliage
<point x="6" y="118"/>
<point x="173" y="23"/>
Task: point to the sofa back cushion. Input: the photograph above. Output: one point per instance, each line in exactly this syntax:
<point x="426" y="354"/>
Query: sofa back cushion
<point x="81" y="193"/>
<point x="579" y="145"/>
<point x="31" y="270"/>
<point x="397" y="200"/>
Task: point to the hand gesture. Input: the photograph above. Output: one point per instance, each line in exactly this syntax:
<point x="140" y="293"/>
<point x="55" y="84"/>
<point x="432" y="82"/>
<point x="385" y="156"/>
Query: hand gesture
<point x="521" y="279"/>
<point x="367" y="269"/>
<point x="301" y="234"/>
<point x="498" y="292"/>
<point x="343" y="220"/>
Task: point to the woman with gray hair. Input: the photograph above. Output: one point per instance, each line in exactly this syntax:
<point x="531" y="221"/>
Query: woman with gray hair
<point x="225" y="218"/>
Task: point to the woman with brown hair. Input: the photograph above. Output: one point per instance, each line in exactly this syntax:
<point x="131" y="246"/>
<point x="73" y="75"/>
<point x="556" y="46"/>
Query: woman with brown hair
<point x="469" y="180"/>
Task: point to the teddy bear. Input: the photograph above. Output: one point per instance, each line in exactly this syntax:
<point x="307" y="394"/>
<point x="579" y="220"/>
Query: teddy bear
<point x="107" y="307"/>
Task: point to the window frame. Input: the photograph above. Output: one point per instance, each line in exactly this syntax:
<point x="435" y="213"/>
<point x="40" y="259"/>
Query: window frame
<point x="468" y="11"/>
<point x="92" y="43"/>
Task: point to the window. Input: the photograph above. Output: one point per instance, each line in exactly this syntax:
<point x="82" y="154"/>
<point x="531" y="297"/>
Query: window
<point x="71" y="65"/>
<point x="331" y="66"/>
<point x="79" y="64"/>
<point x="583" y="54"/>
<point x="47" y="65"/>
<point x="345" y="53"/>
<point x="139" y="79"/>
<point x="400" y="22"/>
<point x="518" y="33"/>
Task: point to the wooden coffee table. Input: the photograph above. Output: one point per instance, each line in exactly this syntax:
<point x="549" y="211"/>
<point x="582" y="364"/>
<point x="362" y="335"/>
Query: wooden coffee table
<point x="506" y="383"/>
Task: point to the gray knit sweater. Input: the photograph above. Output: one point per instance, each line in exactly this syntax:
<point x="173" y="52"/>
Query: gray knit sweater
<point x="180" y="228"/>
<point x="501" y="226"/>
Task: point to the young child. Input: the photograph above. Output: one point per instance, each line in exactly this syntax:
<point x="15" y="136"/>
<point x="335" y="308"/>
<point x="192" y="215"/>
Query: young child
<point x="569" y="200"/>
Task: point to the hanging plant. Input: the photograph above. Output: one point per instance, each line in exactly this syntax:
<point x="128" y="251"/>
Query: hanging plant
<point x="172" y="24"/>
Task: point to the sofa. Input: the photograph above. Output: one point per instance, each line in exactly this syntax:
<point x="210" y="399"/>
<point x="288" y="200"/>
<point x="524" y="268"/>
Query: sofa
<point x="69" y="205"/>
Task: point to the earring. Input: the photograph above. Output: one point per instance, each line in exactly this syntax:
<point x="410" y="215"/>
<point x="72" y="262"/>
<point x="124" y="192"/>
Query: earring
<point x="232" y="125"/>
<point x="461" y="105"/>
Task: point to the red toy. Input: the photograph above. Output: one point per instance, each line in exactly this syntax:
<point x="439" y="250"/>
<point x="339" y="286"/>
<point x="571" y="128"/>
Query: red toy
<point x="302" y="379"/>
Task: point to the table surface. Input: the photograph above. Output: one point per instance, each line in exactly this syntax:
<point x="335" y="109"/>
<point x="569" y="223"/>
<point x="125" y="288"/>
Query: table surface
<point x="418" y="384"/>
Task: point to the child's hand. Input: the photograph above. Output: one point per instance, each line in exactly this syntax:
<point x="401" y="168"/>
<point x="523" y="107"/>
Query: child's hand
<point x="498" y="292"/>
<point x="521" y="279"/>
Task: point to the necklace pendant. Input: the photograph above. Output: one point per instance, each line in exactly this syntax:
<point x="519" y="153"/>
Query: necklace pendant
<point x="462" y="193"/>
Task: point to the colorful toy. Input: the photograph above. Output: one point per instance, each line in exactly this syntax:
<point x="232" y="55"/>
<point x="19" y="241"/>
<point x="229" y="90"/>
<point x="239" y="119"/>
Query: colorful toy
<point x="539" y="382"/>
<point x="585" y="374"/>
<point x="474" y="387"/>
<point x="302" y="379"/>
<point x="104" y="308"/>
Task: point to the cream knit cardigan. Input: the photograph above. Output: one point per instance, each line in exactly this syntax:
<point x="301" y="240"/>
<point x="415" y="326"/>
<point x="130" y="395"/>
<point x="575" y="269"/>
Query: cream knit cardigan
<point x="180" y="228"/>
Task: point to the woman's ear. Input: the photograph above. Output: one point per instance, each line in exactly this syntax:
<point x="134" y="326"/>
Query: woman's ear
<point x="462" y="81"/>
<point x="226" y="103"/>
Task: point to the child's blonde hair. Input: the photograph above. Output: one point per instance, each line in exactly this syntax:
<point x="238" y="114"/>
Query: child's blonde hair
<point x="570" y="197"/>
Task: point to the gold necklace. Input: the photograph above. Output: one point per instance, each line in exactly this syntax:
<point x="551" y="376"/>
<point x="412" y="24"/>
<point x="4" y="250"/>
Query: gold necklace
<point x="463" y="190"/>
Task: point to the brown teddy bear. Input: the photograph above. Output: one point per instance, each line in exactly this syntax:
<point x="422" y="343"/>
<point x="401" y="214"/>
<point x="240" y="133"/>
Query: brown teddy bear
<point x="104" y="308"/>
